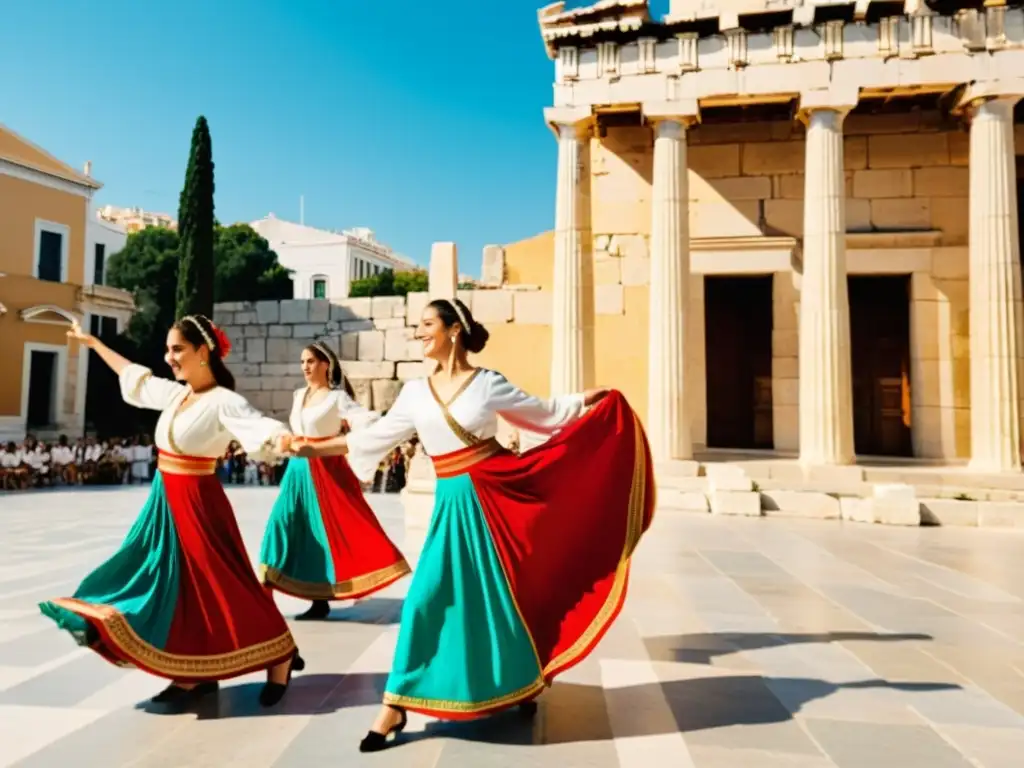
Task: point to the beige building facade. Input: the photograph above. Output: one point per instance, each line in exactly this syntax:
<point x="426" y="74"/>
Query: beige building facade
<point x="787" y="227"/>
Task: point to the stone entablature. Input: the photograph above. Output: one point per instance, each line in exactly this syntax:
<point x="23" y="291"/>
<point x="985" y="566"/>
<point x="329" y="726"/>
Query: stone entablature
<point x="612" y="53"/>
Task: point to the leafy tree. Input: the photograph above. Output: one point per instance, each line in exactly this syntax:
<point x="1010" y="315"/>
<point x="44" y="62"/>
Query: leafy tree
<point x="196" y="226"/>
<point x="389" y="283"/>
<point x="245" y="268"/>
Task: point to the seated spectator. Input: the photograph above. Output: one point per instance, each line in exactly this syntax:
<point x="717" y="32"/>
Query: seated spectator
<point x="62" y="460"/>
<point x="142" y="456"/>
<point x="15" y="474"/>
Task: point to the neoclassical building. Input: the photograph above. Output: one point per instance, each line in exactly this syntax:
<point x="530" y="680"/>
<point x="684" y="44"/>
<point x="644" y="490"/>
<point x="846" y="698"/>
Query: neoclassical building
<point x="790" y="226"/>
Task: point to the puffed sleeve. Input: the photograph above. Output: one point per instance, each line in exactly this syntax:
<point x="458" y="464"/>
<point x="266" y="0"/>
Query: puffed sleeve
<point x="367" y="446"/>
<point x="531" y="413"/>
<point x="254" y="431"/>
<point x="140" y="388"/>
<point x="353" y="412"/>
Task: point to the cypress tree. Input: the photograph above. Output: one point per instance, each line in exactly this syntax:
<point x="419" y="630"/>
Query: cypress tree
<point x="195" y="226"/>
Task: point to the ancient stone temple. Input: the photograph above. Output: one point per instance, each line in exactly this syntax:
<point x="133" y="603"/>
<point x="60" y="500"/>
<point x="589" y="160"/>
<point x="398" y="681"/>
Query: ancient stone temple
<point x="790" y="225"/>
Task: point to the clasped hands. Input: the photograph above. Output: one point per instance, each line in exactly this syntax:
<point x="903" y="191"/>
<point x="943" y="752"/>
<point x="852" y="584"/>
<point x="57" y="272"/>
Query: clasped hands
<point x="293" y="445"/>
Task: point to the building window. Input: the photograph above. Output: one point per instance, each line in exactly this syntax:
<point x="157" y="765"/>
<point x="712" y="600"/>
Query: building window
<point x="319" y="287"/>
<point x="99" y="263"/>
<point x="42" y="395"/>
<point x="50" y="260"/>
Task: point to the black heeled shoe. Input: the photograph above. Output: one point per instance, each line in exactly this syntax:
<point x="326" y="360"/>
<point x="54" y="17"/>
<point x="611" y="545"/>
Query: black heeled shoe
<point x="319" y="610"/>
<point x="181" y="697"/>
<point x="528" y="708"/>
<point x="272" y="693"/>
<point x="375" y="742"/>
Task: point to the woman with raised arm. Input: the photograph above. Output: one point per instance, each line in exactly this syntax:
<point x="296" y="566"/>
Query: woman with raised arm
<point x="180" y="599"/>
<point x="323" y="541"/>
<point x="526" y="558"/>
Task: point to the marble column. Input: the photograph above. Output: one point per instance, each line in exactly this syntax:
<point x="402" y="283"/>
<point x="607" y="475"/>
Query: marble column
<point x="995" y="289"/>
<point x="567" y="327"/>
<point x="668" y="426"/>
<point x="826" y="389"/>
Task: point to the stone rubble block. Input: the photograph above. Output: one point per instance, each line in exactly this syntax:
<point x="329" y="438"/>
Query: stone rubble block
<point x="371" y="346"/>
<point x="1001" y="514"/>
<point x="788" y="503"/>
<point x="385" y="391"/>
<point x="416" y="302"/>
<point x="609" y="300"/>
<point x="308" y="331"/>
<point x="950" y="512"/>
<point x="388" y="323"/>
<point x="628" y="246"/>
<point x="278" y="350"/>
<point x="243" y="371"/>
<point x="233" y="332"/>
<point x="294" y="311"/>
<point x="387" y="306"/>
<point x="319" y="311"/>
<point x="686" y="501"/>
<point x="349" y="346"/>
<point x="727" y="477"/>
<point x="222" y="318"/>
<point x="254" y="332"/>
<point x="361" y="369"/>
<point x="268" y="312"/>
<point x="232" y="306"/>
<point x="492" y="306"/>
<point x="276" y="369"/>
<point x="856" y="509"/>
<point x="280" y="331"/>
<point x="532" y="308"/>
<point x="738" y="503"/>
<point x="245" y="318"/>
<point x="492" y="273"/>
<point x="350" y="326"/>
<point x="896" y="504"/>
<point x="255" y="350"/>
<point x="363" y="392"/>
<point x="396" y="343"/>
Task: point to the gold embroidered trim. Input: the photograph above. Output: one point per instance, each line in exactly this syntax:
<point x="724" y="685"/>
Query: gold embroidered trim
<point x="634" y="529"/>
<point x="452" y="464"/>
<point x="340" y="590"/>
<point x="460" y="431"/>
<point x="137" y="390"/>
<point x="466" y="707"/>
<point x="177" y="666"/>
<point x="196" y="466"/>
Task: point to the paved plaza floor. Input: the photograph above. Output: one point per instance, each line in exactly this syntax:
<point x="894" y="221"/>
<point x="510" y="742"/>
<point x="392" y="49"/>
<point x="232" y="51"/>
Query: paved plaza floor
<point x="743" y="644"/>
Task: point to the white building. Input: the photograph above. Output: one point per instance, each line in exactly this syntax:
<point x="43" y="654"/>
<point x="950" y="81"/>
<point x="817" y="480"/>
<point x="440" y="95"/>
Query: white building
<point x="135" y="219"/>
<point x="324" y="263"/>
<point x="104" y="238"/>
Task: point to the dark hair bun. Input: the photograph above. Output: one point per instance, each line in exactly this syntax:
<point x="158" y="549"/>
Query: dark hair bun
<point x="476" y="340"/>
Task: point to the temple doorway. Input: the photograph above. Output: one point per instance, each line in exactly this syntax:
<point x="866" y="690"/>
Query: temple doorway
<point x="880" y="354"/>
<point x="738" y="350"/>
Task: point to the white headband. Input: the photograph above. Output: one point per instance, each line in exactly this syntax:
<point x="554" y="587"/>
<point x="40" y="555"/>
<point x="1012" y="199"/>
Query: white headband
<point x="331" y="357"/>
<point x="202" y="331"/>
<point x="462" y="317"/>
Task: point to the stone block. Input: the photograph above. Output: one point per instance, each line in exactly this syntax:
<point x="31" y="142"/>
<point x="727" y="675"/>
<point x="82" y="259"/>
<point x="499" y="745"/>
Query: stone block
<point x="609" y="300"/>
<point x="856" y="509"/>
<point x="1001" y="514"/>
<point x="371" y="346"/>
<point x="415" y="303"/>
<point x="628" y="246"/>
<point x="902" y="214"/>
<point x="949" y="512"/>
<point x="855" y="153"/>
<point x="363" y="390"/>
<point x="532" y="308"/>
<point x="607" y="271"/>
<point x="896" y="511"/>
<point x="941" y="182"/>
<point x="268" y="312"/>
<point x="222" y="318"/>
<point x="444" y="271"/>
<point x="254" y="332"/>
<point x="278" y="350"/>
<point x="385" y="391"/>
<point x="387" y="306"/>
<point x="261" y="401"/>
<point x="636" y="271"/>
<point x="785" y="217"/>
<point x="899" y="151"/>
<point x="319" y="311"/>
<point x="765" y="158"/>
<point x="361" y="369"/>
<point x="959" y="148"/>
<point x="233" y="331"/>
<point x="245" y="318"/>
<point x="280" y="331"/>
<point x="492" y="272"/>
<point x="351" y="326"/>
<point x="281" y="400"/>
<point x="819" y="506"/>
<point x="275" y="369"/>
<point x="307" y="331"/>
<point x="732" y="189"/>
<point x="396" y="343"/>
<point x="351" y="309"/>
<point x="244" y="371"/>
<point x="233" y="306"/>
<point x="492" y="306"/>
<point x="255" y="350"/>
<point x="686" y="501"/>
<point x="294" y="311"/>
<point x="714" y="161"/>
<point x="409" y="370"/>
<point x="467" y="298"/>
<point x="858" y="215"/>
<point x="887" y="183"/>
<point x="388" y="323"/>
<point x="349" y="346"/>
<point x="742" y="503"/>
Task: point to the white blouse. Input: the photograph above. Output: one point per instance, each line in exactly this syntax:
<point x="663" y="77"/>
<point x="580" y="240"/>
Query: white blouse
<point x="207" y="426"/>
<point x="324" y="418"/>
<point x="476" y="409"/>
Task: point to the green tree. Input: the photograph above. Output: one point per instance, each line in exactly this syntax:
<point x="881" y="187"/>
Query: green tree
<point x="246" y="269"/>
<point x="196" y="227"/>
<point x="390" y="283"/>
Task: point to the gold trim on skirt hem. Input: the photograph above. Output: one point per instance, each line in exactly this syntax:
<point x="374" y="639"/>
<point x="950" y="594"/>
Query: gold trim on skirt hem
<point x="176" y="666"/>
<point x="466" y="707"/>
<point x="339" y="590"/>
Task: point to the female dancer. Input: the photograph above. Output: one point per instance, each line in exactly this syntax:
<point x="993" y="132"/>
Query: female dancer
<point x="179" y="599"/>
<point x="526" y="558"/>
<point x="323" y="541"/>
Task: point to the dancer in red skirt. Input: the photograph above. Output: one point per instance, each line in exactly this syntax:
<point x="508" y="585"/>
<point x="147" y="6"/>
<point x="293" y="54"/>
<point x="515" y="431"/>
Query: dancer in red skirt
<point x="180" y="599"/>
<point x="323" y="541"/>
<point x="526" y="559"/>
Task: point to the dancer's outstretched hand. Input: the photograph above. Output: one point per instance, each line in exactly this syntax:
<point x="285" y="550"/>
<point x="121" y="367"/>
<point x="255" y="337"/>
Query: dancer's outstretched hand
<point x="594" y="396"/>
<point x="75" y="333"/>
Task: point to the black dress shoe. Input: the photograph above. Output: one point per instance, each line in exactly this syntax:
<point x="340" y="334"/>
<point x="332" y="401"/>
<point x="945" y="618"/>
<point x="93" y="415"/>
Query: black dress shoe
<point x="178" y="696"/>
<point x="375" y="742"/>
<point x="319" y="610"/>
<point x="272" y="693"/>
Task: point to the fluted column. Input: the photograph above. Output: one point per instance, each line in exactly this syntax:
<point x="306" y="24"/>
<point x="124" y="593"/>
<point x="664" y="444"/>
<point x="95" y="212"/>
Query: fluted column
<point x="995" y="292"/>
<point x="826" y="388"/>
<point x="668" y="426"/>
<point x="567" y="328"/>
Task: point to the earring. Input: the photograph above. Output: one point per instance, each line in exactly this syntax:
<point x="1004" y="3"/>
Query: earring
<point x="202" y="363"/>
<point x="453" y="339"/>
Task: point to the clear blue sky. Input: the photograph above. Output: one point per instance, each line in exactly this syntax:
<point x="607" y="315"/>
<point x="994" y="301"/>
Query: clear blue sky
<point x="421" y="120"/>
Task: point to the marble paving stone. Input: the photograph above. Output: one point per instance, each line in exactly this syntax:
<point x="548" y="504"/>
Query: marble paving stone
<point x="742" y="644"/>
